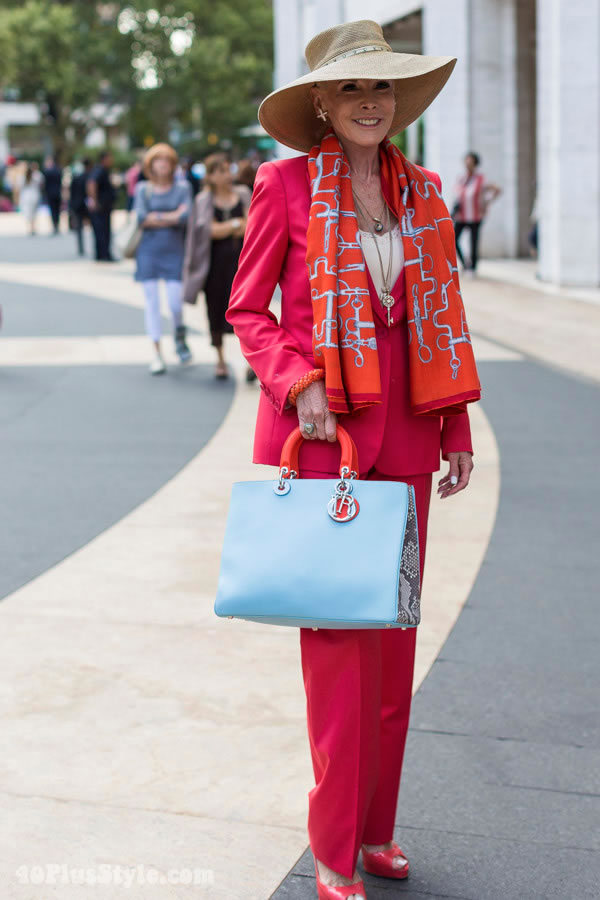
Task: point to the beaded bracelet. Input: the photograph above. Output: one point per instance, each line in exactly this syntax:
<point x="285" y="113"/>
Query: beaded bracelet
<point x="303" y="383"/>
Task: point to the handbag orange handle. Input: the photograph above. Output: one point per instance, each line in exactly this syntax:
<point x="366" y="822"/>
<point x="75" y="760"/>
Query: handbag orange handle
<point x="291" y="450"/>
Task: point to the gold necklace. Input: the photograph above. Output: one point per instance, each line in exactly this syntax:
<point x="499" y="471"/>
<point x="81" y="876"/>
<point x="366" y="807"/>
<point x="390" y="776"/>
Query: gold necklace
<point x="386" y="295"/>
<point x="376" y="219"/>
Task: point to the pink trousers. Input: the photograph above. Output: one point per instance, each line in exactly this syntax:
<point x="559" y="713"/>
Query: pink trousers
<point x="358" y="686"/>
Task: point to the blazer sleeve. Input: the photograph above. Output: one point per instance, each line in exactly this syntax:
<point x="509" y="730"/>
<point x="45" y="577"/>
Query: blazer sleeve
<point x="456" y="435"/>
<point x="270" y="350"/>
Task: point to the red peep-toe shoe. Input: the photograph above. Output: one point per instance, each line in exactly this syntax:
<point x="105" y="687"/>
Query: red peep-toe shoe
<point x="338" y="891"/>
<point x="382" y="862"/>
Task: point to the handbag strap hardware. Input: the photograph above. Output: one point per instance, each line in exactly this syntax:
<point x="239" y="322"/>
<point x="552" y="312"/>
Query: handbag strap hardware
<point x="343" y="507"/>
<point x="283" y="485"/>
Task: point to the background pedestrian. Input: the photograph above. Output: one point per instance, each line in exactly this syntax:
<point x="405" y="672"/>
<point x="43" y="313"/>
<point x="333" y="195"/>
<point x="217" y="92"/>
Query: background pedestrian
<point x="13" y="178"/>
<point x="53" y="190"/>
<point x="78" y="209"/>
<point x="213" y="249"/>
<point x="131" y="179"/>
<point x="186" y="171"/>
<point x="162" y="205"/>
<point x="30" y="194"/>
<point x="246" y="173"/>
<point x="473" y="195"/>
<point x="100" y="203"/>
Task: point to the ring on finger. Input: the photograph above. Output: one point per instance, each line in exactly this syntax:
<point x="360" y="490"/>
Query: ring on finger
<point x="308" y="427"/>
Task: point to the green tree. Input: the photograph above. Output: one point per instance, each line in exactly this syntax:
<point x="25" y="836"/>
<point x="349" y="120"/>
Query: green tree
<point x="191" y="66"/>
<point x="64" y="57"/>
<point x="203" y="65"/>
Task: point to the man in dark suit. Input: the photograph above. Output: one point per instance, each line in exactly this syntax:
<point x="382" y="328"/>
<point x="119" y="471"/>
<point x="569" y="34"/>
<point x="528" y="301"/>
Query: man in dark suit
<point x="100" y="202"/>
<point x="53" y="190"/>
<point x="78" y="203"/>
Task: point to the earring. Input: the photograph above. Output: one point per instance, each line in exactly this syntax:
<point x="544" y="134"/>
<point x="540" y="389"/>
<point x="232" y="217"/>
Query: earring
<point x="322" y="114"/>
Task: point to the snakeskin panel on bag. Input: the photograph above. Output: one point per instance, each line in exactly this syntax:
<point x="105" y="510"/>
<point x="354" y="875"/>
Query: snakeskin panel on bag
<point x="409" y="582"/>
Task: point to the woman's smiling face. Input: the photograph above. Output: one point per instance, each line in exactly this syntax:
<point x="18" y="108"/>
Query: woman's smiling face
<point x="360" y="111"/>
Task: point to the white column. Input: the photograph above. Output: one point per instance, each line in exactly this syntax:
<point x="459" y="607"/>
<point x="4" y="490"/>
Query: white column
<point x="412" y="142"/>
<point x="569" y="141"/>
<point x="447" y="122"/>
<point x="492" y="114"/>
<point x="4" y="145"/>
<point x="476" y="109"/>
<point x="296" y="22"/>
<point x="288" y="50"/>
<point x="288" y="16"/>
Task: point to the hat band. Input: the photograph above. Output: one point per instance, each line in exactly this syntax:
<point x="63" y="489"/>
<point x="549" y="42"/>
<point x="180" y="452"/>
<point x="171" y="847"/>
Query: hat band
<point x="353" y="53"/>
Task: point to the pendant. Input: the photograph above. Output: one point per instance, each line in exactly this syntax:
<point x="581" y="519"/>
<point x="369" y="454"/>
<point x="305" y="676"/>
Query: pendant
<point x="378" y="225"/>
<point x="388" y="301"/>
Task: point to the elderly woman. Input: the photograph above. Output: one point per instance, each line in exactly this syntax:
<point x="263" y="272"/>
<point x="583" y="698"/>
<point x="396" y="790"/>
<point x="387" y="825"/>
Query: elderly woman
<point x="162" y="205"/>
<point x="373" y="331"/>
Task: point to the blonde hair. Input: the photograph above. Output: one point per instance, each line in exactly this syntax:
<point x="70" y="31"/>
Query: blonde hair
<point x="159" y="150"/>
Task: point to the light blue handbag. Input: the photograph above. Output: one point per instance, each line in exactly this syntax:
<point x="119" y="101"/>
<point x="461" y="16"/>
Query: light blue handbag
<point x="321" y="553"/>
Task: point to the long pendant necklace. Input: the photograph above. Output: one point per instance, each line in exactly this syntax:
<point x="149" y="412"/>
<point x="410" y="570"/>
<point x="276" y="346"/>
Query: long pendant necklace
<point x="377" y="219"/>
<point x="386" y="296"/>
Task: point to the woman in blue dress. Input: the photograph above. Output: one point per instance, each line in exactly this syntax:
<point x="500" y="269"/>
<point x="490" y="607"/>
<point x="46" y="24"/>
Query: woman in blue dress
<point x="162" y="204"/>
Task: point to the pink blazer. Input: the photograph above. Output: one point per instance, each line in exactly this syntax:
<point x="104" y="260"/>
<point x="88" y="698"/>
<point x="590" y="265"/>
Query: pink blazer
<point x="388" y="435"/>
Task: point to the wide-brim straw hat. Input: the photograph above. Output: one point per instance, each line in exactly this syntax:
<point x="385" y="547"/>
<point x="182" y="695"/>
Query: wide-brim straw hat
<point x="351" y="51"/>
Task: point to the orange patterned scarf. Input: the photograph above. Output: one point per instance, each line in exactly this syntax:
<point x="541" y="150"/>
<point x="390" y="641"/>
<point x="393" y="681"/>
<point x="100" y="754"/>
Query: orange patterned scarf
<point x="442" y="372"/>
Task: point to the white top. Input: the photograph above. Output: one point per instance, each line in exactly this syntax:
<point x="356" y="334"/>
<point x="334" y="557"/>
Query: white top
<point x="367" y="240"/>
<point x="470" y="193"/>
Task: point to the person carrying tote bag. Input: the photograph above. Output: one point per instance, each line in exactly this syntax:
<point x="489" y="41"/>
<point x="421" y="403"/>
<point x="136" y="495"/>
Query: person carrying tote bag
<point x="213" y="245"/>
<point x="162" y="205"/>
<point x="349" y="231"/>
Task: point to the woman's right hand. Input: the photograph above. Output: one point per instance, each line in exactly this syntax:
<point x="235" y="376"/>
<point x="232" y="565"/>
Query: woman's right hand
<point x="312" y="407"/>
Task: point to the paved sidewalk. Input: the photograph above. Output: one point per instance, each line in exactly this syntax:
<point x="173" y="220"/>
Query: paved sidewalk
<point x="82" y="446"/>
<point x="139" y="730"/>
<point x="523" y="273"/>
<point x="500" y="797"/>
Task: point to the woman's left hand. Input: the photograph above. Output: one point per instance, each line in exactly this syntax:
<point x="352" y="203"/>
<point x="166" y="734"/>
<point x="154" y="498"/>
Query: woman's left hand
<point x="460" y="466"/>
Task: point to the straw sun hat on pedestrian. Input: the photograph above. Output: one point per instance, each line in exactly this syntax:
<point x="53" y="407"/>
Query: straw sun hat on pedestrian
<point x="351" y="51"/>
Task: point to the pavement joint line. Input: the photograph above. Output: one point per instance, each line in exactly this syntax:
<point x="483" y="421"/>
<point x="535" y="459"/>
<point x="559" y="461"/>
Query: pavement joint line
<point x="150" y="809"/>
<point x="492" y="837"/>
<point x="479" y="736"/>
<point x="534" y="787"/>
<point x="73" y="617"/>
